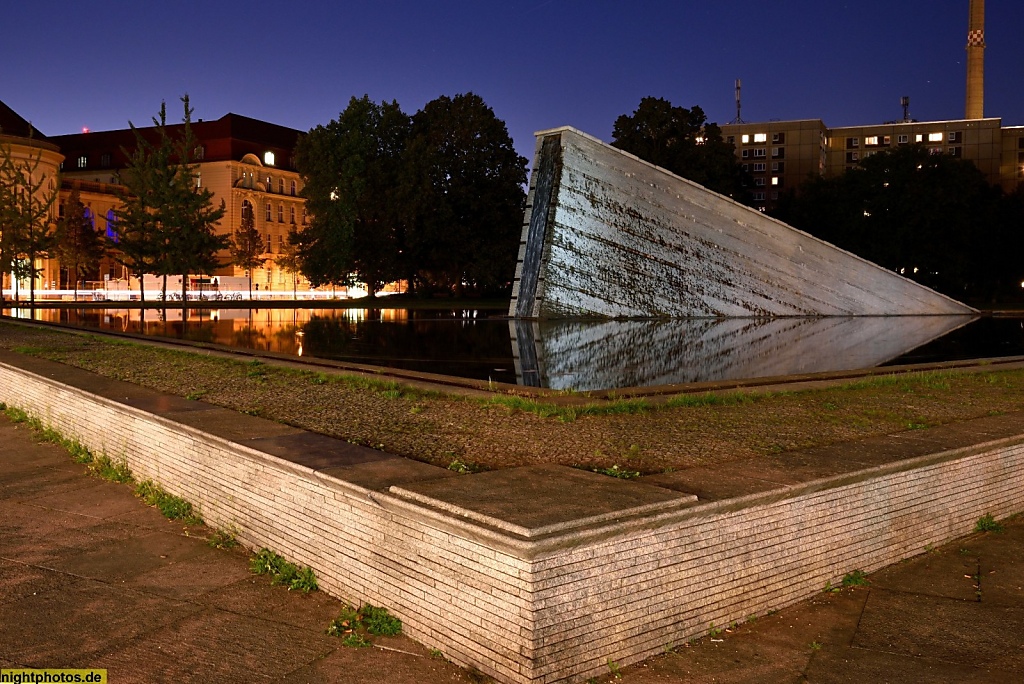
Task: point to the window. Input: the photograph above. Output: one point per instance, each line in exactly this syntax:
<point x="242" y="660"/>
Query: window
<point x="955" y="151"/>
<point x="280" y="186"/>
<point x="852" y="143"/>
<point x="268" y="158"/>
<point x="293" y="190"/>
<point x="779" y="138"/>
<point x="280" y="213"/>
<point x="268" y="214"/>
<point x="280" y="242"/>
<point x="935" y="137"/>
<point x="775" y="195"/>
<point x="954" y="137"/>
<point x="903" y="139"/>
<point x="759" y="152"/>
<point x="758" y="196"/>
<point x="778" y="152"/>
<point x="199" y="153"/>
<point x="83" y="161"/>
<point x="60" y="210"/>
<point x="778" y="167"/>
<point x="1020" y="143"/>
<point x="199" y="179"/>
<point x="776" y="180"/>
<point x="871" y="140"/>
<point x="934" y="150"/>
<point x="291" y="215"/>
<point x="759" y="167"/>
<point x="105" y="160"/>
<point x="745" y="139"/>
<point x="852" y="157"/>
<point x="746" y="153"/>
<point x="303" y="215"/>
<point x="760" y="137"/>
<point x="246" y="210"/>
<point x="759" y="182"/>
<point x="886" y="140"/>
<point x="730" y="139"/>
<point x="918" y="138"/>
<point x="270" y="185"/>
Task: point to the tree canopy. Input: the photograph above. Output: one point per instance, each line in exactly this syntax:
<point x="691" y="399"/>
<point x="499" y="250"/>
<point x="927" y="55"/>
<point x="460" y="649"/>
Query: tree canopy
<point x="933" y="218"/>
<point x="435" y="198"/>
<point x="682" y="141"/>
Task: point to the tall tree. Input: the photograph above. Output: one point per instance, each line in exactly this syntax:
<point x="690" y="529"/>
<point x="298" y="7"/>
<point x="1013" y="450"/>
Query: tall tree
<point x="682" y="141"/>
<point x="187" y="216"/>
<point x="247" y="247"/>
<point x="463" y="196"/>
<point x="350" y="169"/>
<point x="77" y="245"/>
<point x="291" y="261"/>
<point x="27" y="195"/>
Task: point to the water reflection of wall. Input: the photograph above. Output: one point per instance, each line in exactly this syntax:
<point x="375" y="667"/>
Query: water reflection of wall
<point x="589" y="355"/>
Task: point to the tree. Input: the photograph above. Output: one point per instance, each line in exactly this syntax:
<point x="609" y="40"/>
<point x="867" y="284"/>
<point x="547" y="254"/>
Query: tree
<point x="291" y="261"/>
<point x="682" y="141"/>
<point x="247" y="247"/>
<point x="931" y="217"/>
<point x="77" y="245"/>
<point x="463" y="196"/>
<point x="27" y="195"/>
<point x="350" y="169"/>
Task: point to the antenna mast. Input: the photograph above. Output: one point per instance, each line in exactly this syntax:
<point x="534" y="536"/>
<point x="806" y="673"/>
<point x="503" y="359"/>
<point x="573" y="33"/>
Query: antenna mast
<point x="738" y="119"/>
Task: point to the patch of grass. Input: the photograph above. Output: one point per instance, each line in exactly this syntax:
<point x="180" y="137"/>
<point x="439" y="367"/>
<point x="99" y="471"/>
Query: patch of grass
<point x="464" y="467"/>
<point x="266" y="562"/>
<point x="437" y="654"/>
<point x="172" y="507"/>
<point x="15" y="415"/>
<point x="815" y="646"/>
<point x="855" y="578"/>
<point x="616" y="471"/>
<point x="222" y="539"/>
<point x="196" y="396"/>
<point x="353" y="625"/>
<point x="614" y="668"/>
<point x="987" y="523"/>
<point x="113" y="471"/>
<point x="319" y="379"/>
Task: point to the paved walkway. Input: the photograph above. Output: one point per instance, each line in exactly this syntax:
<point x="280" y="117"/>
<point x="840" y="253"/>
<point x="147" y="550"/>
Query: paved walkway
<point x="91" y="577"/>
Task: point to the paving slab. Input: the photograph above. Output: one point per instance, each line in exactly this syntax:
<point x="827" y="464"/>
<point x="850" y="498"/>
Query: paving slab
<point x="18" y="580"/>
<point x="256" y="597"/>
<point x="711" y="483"/>
<point x="388" y="667"/>
<point x="943" y="574"/>
<point x="317" y="451"/>
<point x="232" y="425"/>
<point x="379" y="475"/>
<point x="72" y="626"/>
<point x="120" y="560"/>
<point x="214" y="645"/>
<point x="846" y="665"/>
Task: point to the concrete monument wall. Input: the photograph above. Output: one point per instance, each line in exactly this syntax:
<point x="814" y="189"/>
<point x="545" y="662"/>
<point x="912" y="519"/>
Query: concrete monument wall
<point x="607" y="234"/>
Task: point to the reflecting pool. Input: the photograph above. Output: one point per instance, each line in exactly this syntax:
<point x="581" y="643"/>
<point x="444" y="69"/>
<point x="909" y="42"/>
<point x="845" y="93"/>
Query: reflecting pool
<point x="570" y="354"/>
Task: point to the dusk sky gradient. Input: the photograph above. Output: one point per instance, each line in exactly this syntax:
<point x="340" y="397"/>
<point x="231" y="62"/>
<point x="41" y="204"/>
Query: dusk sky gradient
<point x="538" y="63"/>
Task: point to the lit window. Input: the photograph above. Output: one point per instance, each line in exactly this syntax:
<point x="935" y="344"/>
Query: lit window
<point x="268" y="158"/>
<point x="745" y="139"/>
<point x="83" y="161"/>
<point x="918" y="138"/>
<point x="760" y="137"/>
<point x="886" y="140"/>
<point x="775" y="181"/>
<point x="871" y="140"/>
<point x="934" y="137"/>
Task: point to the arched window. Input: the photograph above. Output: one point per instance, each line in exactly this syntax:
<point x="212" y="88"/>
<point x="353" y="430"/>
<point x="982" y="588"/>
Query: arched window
<point x="247" y="214"/>
<point x="293" y="188"/>
<point x="112" y="226"/>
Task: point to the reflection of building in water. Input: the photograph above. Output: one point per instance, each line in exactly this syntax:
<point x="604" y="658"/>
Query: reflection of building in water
<point x="584" y="355"/>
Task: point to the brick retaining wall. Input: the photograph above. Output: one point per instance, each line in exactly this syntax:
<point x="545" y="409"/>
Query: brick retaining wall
<point x="548" y="603"/>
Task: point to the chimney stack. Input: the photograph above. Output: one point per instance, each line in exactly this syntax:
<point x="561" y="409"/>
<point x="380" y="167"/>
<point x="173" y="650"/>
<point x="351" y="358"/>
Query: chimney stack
<point x="976" y="61"/>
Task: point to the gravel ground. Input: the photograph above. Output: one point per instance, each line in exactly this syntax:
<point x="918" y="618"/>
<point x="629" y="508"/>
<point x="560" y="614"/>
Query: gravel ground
<point x="496" y="433"/>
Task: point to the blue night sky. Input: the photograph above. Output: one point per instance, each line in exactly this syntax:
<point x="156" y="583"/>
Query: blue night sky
<point x="537" y="63"/>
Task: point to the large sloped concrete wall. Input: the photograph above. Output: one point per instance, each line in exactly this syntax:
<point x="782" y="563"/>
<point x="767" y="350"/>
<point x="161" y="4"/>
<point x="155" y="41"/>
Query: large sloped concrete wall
<point x="607" y="234"/>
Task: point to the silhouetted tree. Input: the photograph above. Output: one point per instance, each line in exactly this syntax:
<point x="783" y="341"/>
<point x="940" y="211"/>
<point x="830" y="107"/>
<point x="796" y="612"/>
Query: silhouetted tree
<point x="77" y="244"/>
<point x="682" y="141"/>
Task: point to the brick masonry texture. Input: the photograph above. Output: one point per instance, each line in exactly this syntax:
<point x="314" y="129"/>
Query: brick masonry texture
<point x="608" y="234"/>
<point x="548" y="607"/>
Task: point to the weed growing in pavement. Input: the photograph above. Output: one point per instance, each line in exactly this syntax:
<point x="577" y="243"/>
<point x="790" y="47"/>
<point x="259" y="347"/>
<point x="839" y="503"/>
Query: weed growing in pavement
<point x="353" y="625"/>
<point x="987" y="523"/>
<point x="855" y="578"/>
<point x="815" y="646"/>
<point x="621" y="473"/>
<point x="614" y="668"/>
<point x="173" y="507"/>
<point x="437" y="654"/>
<point x="113" y="471"/>
<point x="266" y="562"/>
<point x="222" y="539"/>
<point x="464" y="467"/>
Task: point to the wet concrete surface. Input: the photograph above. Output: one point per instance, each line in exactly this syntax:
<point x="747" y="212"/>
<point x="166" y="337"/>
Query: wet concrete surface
<point x="91" y="577"/>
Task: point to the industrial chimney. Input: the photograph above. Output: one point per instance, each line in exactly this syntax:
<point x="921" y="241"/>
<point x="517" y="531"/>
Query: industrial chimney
<point x="976" y="61"/>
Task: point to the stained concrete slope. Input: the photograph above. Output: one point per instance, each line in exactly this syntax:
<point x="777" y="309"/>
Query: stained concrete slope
<point x="607" y="234"/>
